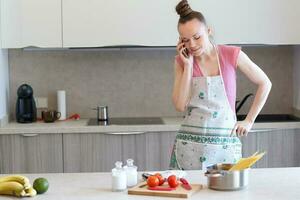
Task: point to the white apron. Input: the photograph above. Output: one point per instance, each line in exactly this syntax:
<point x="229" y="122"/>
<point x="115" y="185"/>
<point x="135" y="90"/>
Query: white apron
<point x="204" y="137"/>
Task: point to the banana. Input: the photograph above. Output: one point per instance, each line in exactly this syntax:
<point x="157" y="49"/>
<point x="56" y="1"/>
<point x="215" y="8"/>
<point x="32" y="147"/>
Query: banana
<point x="21" y="194"/>
<point x="17" y="178"/>
<point x="12" y="188"/>
<point x="30" y="192"/>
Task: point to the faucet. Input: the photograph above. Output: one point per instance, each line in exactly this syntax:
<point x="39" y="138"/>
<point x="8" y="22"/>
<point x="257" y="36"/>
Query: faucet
<point x="239" y="106"/>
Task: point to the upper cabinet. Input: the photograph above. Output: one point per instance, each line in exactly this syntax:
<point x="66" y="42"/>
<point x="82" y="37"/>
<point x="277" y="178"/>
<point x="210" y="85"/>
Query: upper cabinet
<point x="154" y="23"/>
<point x="31" y="23"/>
<point x="252" y="21"/>
<point x="97" y="23"/>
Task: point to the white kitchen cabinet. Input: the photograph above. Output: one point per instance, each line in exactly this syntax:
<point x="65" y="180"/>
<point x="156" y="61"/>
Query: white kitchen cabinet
<point x="252" y="22"/>
<point x="96" y="23"/>
<point x="27" y="23"/>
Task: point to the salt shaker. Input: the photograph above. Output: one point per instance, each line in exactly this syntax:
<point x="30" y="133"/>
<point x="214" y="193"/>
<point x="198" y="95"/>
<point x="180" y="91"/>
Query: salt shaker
<point x="119" y="182"/>
<point x="131" y="173"/>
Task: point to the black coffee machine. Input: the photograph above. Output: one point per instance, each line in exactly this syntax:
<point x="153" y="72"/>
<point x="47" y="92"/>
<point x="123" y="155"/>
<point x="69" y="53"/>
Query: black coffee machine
<point x="25" y="106"/>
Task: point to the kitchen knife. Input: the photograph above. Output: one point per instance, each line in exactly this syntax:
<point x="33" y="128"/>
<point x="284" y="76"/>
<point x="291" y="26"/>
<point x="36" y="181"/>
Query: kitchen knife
<point x="185" y="184"/>
<point x="146" y="175"/>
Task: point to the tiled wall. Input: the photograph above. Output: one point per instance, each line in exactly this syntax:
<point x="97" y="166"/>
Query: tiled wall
<point x="132" y="82"/>
<point x="296" y="78"/>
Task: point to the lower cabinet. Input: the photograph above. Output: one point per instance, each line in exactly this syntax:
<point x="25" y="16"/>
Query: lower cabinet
<point x="94" y="152"/>
<point x="97" y="152"/>
<point x="281" y="147"/>
<point x="31" y="153"/>
<point x="152" y="151"/>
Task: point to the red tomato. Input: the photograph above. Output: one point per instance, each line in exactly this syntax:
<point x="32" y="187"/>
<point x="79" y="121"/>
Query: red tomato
<point x="160" y="178"/>
<point x="172" y="181"/>
<point x="152" y="181"/>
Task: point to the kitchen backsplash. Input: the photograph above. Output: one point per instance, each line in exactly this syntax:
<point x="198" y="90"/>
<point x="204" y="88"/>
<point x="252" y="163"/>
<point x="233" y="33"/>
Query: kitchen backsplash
<point x="133" y="82"/>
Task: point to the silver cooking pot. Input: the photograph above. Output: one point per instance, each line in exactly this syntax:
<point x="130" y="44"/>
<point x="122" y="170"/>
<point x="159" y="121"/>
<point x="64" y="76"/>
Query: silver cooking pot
<point x="219" y="178"/>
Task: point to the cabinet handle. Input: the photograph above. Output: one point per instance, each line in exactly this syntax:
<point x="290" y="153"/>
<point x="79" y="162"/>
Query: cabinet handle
<point x="126" y="133"/>
<point x="261" y="130"/>
<point x="29" y="135"/>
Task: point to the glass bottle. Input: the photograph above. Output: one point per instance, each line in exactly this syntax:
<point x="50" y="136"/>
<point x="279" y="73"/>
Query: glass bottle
<point x="131" y="173"/>
<point x="119" y="181"/>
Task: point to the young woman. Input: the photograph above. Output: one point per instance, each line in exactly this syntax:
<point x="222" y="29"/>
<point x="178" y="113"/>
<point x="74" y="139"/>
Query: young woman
<point x="205" y="86"/>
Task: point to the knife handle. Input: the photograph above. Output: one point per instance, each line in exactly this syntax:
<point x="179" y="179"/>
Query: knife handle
<point x="183" y="181"/>
<point x="146" y="175"/>
<point x="185" y="184"/>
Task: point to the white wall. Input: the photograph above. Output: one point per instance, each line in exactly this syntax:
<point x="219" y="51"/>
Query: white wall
<point x="3" y="84"/>
<point x="296" y="78"/>
<point x="4" y="79"/>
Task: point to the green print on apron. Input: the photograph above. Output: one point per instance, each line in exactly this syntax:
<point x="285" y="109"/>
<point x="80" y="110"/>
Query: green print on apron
<point x="204" y="136"/>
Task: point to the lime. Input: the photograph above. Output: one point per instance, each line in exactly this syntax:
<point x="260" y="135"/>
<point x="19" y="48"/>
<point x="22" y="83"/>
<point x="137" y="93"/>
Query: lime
<point x="41" y="185"/>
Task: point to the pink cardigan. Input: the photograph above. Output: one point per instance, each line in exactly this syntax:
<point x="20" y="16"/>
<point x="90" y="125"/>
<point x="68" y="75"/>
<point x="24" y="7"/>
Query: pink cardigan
<point x="228" y="60"/>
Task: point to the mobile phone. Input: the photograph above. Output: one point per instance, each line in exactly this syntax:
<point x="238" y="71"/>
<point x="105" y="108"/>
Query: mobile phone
<point x="185" y="51"/>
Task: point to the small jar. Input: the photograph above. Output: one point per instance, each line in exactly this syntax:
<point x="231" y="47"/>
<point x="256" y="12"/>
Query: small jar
<point x="131" y="173"/>
<point x="119" y="180"/>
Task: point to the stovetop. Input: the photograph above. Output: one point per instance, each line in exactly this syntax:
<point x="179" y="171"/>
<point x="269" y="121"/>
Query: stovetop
<point x="126" y="121"/>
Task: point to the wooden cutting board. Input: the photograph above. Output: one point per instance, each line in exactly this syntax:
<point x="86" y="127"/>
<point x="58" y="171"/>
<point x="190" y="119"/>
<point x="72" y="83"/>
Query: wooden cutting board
<point x="180" y="192"/>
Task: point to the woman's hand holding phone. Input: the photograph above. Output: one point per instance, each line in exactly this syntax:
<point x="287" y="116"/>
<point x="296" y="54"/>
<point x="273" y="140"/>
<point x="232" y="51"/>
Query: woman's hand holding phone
<point x="184" y="54"/>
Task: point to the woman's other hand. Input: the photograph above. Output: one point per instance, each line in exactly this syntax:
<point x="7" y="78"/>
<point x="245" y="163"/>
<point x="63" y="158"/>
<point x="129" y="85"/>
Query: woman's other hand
<point x="184" y="54"/>
<point x="242" y="128"/>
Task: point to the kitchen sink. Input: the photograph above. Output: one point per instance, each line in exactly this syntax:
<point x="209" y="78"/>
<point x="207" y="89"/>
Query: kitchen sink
<point x="126" y="121"/>
<point x="272" y="118"/>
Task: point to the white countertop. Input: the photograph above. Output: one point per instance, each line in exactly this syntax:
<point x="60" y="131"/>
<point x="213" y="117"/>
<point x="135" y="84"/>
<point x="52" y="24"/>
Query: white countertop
<point x="79" y="126"/>
<point x="264" y="184"/>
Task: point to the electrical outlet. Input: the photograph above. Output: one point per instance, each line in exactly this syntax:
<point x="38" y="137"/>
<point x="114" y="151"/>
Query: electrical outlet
<point x="41" y="102"/>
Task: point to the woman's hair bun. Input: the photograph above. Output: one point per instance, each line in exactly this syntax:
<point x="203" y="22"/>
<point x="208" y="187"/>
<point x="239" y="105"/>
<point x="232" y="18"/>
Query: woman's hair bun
<point x="183" y="8"/>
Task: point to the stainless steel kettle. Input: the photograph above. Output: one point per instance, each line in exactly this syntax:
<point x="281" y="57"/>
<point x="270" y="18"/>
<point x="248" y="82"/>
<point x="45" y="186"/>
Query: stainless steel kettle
<point x="102" y="113"/>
